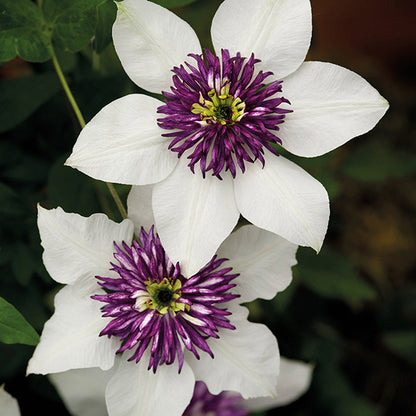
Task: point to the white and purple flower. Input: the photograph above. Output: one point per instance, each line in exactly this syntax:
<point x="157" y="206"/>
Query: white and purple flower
<point x="8" y="404"/>
<point x="211" y="149"/>
<point x="127" y="309"/>
<point x="83" y="392"/>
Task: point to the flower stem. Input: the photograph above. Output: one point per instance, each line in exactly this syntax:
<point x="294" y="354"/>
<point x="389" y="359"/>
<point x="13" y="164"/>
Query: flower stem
<point x="82" y="123"/>
<point x="68" y="92"/>
<point x="117" y="199"/>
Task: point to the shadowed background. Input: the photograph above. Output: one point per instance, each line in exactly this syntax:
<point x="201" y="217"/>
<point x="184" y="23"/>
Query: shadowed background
<point x="351" y="310"/>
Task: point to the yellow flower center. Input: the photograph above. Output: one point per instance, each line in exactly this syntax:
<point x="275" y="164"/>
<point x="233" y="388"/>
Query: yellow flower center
<point x="163" y="296"/>
<point x="223" y="108"/>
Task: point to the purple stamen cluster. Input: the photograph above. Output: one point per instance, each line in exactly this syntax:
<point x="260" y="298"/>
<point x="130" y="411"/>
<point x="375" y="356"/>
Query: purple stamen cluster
<point x="223" y="404"/>
<point x="219" y="146"/>
<point x="140" y="326"/>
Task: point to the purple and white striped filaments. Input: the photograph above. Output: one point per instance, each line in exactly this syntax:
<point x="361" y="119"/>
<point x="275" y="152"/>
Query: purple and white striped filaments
<point x="222" y="113"/>
<point x="152" y="305"/>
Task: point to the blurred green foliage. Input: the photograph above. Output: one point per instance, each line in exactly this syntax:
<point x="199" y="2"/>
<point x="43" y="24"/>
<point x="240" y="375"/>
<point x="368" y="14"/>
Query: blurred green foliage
<point x="350" y="310"/>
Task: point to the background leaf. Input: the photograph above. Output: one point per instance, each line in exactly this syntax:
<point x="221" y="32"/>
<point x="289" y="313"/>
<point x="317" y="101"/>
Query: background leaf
<point x="173" y="3"/>
<point x="23" y="32"/>
<point x="106" y="15"/>
<point x="332" y="276"/>
<point x="73" y="22"/>
<point x="14" y="329"/>
<point x="19" y="98"/>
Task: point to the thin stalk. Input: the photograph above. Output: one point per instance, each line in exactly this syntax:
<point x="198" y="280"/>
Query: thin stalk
<point x="117" y="199"/>
<point x="81" y="121"/>
<point x="68" y="92"/>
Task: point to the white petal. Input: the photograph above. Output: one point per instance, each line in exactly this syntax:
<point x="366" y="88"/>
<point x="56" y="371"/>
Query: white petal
<point x="124" y="144"/>
<point x="246" y="359"/>
<point x="193" y="216"/>
<point x="284" y="199"/>
<point x="331" y="106"/>
<point x="136" y="391"/>
<point x="8" y="404"/>
<point x="78" y="247"/>
<point x="70" y="338"/>
<point x="294" y="380"/>
<point x="83" y="390"/>
<point x="277" y="31"/>
<point x="263" y="259"/>
<point x="139" y="207"/>
<point x="150" y="40"/>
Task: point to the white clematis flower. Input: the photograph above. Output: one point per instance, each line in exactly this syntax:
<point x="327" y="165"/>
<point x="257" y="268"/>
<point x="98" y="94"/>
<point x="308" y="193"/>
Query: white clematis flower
<point x="224" y="117"/>
<point x="8" y="404"/>
<point x="127" y="309"/>
<point x="83" y="392"/>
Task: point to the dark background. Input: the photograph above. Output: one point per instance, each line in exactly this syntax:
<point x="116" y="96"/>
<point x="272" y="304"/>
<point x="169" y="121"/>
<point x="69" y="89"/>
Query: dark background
<point x="351" y="310"/>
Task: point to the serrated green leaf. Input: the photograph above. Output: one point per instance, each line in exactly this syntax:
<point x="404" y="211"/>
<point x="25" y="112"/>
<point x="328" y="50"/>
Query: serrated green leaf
<point x="173" y="3"/>
<point x="332" y="276"/>
<point x="23" y="32"/>
<point x="19" y="98"/>
<point x="73" y="22"/>
<point x="14" y="329"/>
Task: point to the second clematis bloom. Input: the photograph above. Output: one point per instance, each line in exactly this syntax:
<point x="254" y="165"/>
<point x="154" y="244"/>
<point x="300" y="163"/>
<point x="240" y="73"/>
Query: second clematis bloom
<point x="83" y="392"/>
<point x="127" y="308"/>
<point x="211" y="148"/>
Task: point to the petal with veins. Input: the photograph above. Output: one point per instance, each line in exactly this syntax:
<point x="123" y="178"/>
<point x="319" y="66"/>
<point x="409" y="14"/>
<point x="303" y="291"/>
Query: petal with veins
<point x="124" y="144"/>
<point x="331" y="105"/>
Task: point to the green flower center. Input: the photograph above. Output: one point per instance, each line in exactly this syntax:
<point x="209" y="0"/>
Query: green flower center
<point x="221" y="108"/>
<point x="164" y="296"/>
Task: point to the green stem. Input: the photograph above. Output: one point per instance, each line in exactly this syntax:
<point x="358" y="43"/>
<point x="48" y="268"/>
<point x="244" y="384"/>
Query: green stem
<point x="68" y="92"/>
<point x="81" y="121"/>
<point x="117" y="199"/>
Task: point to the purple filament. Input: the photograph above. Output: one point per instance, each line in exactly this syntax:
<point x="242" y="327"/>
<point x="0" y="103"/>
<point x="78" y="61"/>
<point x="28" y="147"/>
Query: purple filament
<point x="141" y="326"/>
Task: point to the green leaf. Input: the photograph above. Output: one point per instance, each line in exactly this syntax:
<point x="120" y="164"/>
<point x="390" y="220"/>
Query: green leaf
<point x="173" y="3"/>
<point x="14" y="329"/>
<point x="23" y="32"/>
<point x="331" y="275"/>
<point x="73" y="22"/>
<point x="378" y="160"/>
<point x="106" y="15"/>
<point x="402" y="343"/>
<point x="19" y="98"/>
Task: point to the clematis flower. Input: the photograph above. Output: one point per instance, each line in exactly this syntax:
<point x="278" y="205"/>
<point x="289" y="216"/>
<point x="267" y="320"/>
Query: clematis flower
<point x="8" y="404"/>
<point x="83" y="392"/>
<point x="126" y="308"/>
<point x="212" y="147"/>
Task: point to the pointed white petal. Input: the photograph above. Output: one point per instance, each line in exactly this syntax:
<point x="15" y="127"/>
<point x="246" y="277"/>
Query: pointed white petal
<point x="150" y="40"/>
<point x="8" y="404"/>
<point x="83" y="390"/>
<point x="193" y="216"/>
<point x="294" y="379"/>
<point x="79" y="247"/>
<point x="277" y="31"/>
<point x="246" y="359"/>
<point x="139" y="207"/>
<point x="284" y="199"/>
<point x="149" y="394"/>
<point x="331" y="106"/>
<point x="70" y="338"/>
<point x="124" y="144"/>
<point x="263" y="259"/>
